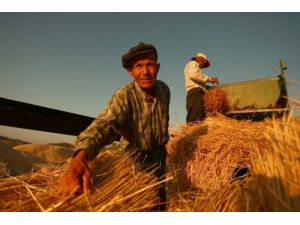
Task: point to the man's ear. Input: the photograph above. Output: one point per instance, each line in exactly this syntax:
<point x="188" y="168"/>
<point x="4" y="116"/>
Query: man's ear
<point x="129" y="73"/>
<point x="157" y="67"/>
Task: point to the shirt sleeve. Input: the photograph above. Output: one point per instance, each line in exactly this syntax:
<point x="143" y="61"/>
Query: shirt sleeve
<point x="105" y="128"/>
<point x="196" y="74"/>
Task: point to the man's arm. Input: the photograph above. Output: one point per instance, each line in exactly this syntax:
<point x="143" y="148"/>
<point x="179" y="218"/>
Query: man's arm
<point x="105" y="128"/>
<point x="102" y="131"/>
<point x="195" y="73"/>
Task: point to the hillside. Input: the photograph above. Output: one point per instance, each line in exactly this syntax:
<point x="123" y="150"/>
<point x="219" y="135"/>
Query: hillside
<point x="11" y="142"/>
<point x="18" y="157"/>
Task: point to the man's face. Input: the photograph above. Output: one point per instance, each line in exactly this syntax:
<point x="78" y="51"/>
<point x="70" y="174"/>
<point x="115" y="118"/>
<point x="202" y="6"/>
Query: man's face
<point x="144" y="71"/>
<point x="203" y="63"/>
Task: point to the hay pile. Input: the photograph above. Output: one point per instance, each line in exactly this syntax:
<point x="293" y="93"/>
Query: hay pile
<point x="215" y="101"/>
<point x="119" y="185"/>
<point x="207" y="155"/>
<point x="276" y="174"/>
<point x="270" y="149"/>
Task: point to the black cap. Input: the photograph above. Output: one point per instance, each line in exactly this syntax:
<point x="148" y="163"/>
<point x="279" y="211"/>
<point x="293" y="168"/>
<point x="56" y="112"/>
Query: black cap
<point x="140" y="49"/>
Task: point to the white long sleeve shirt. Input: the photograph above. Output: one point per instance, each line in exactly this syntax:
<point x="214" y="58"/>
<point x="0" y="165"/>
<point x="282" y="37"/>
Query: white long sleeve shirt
<point x="194" y="76"/>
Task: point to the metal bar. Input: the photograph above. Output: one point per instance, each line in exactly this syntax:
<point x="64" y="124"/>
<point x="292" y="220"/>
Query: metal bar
<point x="258" y="110"/>
<point x="24" y="115"/>
<point x="256" y="115"/>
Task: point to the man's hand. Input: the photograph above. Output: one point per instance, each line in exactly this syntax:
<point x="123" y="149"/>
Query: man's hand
<point x="77" y="178"/>
<point x="213" y="80"/>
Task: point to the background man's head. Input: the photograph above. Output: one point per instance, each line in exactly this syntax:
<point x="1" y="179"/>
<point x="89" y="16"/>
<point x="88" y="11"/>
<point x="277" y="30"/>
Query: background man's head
<point x="202" y="60"/>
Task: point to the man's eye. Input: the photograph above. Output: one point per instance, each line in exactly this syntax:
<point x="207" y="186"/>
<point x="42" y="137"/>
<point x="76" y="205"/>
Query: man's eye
<point x="150" y="65"/>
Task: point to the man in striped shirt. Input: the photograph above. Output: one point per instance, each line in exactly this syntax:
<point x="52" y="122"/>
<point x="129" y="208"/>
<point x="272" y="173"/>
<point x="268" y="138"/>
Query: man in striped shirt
<point x="138" y="111"/>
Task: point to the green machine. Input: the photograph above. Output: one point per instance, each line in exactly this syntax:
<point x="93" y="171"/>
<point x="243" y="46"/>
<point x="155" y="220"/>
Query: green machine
<point x="258" y="99"/>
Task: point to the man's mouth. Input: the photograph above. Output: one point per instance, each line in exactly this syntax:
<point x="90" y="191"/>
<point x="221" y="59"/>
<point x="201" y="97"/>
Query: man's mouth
<point x="146" y="80"/>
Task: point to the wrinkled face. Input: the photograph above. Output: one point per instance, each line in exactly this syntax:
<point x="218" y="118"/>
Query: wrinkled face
<point x="144" y="71"/>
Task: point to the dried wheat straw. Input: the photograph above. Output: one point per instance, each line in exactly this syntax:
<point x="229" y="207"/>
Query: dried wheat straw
<point x="215" y="101"/>
<point x="208" y="153"/>
<point x="116" y="188"/>
<point x="270" y="148"/>
<point x="276" y="174"/>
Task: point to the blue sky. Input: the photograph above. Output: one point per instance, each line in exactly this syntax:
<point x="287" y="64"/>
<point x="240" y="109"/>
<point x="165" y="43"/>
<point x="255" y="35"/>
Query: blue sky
<point x="72" y="61"/>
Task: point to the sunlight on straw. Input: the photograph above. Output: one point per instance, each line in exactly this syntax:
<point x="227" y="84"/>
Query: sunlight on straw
<point x="51" y="208"/>
<point x="26" y="184"/>
<point x="34" y="198"/>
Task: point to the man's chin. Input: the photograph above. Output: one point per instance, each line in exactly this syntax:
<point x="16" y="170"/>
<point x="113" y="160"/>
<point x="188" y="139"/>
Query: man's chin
<point x="147" y="85"/>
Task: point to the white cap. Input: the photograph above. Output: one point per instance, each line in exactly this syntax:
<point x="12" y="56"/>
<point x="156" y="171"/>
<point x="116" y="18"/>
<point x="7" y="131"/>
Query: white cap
<point x="207" y="63"/>
<point x="200" y="54"/>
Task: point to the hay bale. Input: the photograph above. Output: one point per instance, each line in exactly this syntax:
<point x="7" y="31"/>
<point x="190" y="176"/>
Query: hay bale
<point x="215" y="101"/>
<point x="275" y="184"/>
<point x="206" y="155"/>
<point x="272" y="154"/>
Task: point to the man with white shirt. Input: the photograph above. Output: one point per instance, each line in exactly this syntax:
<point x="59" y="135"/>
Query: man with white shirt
<point x="195" y="81"/>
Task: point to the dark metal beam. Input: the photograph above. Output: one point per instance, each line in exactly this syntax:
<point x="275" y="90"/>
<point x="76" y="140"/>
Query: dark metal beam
<point x="29" y="116"/>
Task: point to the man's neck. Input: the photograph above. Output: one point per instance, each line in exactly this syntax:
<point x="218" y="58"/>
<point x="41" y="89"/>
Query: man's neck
<point x="150" y="94"/>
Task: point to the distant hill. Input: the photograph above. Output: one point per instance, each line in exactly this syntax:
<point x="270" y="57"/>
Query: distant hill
<point x="52" y="153"/>
<point x="12" y="142"/>
<point x="19" y="157"/>
<point x="16" y="163"/>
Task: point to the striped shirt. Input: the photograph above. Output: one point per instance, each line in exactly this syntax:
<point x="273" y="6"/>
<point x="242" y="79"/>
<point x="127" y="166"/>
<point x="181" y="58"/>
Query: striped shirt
<point x="129" y="113"/>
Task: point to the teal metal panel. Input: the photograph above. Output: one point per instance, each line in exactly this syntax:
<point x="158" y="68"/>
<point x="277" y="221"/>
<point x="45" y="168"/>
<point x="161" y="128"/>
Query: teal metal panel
<point x="256" y="94"/>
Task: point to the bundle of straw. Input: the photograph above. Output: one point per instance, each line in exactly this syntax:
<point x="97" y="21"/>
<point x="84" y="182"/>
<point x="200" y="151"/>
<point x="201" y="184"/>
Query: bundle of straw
<point x="119" y="185"/>
<point x="215" y="101"/>
<point x="206" y="155"/>
<point x="275" y="185"/>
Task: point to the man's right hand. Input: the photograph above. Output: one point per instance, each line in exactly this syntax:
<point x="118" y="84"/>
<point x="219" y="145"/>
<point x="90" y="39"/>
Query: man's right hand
<point x="77" y="178"/>
<point x="214" y="80"/>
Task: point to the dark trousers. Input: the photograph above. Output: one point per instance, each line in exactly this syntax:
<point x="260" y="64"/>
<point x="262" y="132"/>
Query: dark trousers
<point x="156" y="157"/>
<point x="195" y="105"/>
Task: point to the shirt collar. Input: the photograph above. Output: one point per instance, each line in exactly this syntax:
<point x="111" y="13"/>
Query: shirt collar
<point x="142" y="93"/>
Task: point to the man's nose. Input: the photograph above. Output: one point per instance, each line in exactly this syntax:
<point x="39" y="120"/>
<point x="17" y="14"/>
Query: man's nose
<point x="145" y="70"/>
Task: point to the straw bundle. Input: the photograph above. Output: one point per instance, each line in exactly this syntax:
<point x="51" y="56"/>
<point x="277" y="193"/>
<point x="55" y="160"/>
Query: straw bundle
<point x="215" y="101"/>
<point x="274" y="182"/>
<point x="119" y="185"/>
<point x="227" y="199"/>
<point x="207" y="154"/>
<point x="276" y="174"/>
<point x="181" y="149"/>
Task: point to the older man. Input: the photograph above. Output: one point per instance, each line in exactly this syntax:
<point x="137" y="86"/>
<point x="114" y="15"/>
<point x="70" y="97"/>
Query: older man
<point x="139" y="111"/>
<point x="195" y="81"/>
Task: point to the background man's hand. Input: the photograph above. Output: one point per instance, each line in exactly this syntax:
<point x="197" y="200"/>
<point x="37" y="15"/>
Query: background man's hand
<point x="78" y="176"/>
<point x="214" y="80"/>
